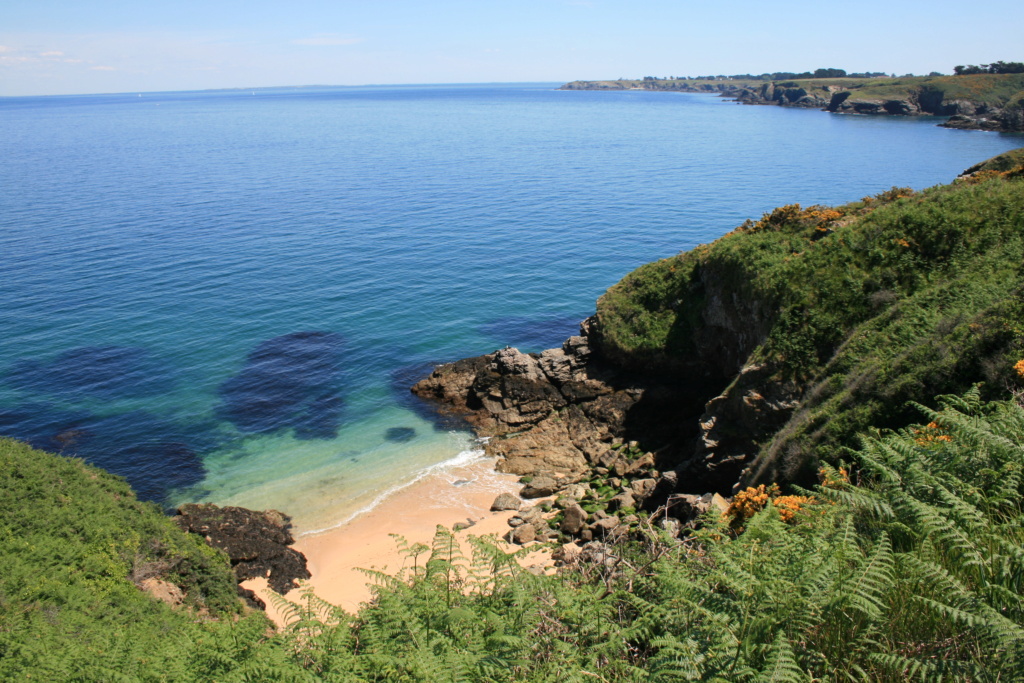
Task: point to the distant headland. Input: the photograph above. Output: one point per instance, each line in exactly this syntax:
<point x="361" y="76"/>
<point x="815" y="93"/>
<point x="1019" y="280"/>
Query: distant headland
<point x="987" y="97"/>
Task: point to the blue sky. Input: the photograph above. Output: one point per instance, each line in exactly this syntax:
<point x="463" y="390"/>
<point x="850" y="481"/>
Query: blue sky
<point x="87" y="46"/>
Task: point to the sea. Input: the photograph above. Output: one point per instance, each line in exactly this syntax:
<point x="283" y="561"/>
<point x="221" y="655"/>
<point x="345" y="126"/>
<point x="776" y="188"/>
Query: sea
<point x="224" y="296"/>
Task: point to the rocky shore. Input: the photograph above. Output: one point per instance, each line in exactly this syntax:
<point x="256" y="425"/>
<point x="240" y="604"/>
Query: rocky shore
<point x="598" y="443"/>
<point x="257" y="543"/>
<point x="923" y="100"/>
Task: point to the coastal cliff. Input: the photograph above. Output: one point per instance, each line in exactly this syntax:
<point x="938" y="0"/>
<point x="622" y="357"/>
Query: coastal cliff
<point x="759" y="357"/>
<point x="992" y="102"/>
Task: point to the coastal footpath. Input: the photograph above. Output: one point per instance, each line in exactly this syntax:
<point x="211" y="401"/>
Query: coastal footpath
<point x="993" y="102"/>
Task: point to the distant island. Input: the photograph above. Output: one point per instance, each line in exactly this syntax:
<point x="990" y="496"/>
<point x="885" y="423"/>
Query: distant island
<point x="987" y="97"/>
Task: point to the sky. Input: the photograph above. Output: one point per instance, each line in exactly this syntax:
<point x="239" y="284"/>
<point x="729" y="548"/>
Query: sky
<point x="52" y="47"/>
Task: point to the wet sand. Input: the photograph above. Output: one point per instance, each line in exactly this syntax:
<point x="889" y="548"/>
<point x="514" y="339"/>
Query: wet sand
<point x="460" y="494"/>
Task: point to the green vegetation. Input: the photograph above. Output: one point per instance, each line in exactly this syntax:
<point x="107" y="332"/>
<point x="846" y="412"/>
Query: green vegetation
<point x="1006" y="161"/>
<point x="904" y="562"/>
<point x="991" y="89"/>
<point x="865" y="306"/>
<point x="73" y="543"/>
<point x="907" y="567"/>
<point x="999" y="67"/>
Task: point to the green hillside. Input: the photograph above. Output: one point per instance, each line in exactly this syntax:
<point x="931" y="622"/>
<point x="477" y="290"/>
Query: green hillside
<point x="902" y="558"/>
<point x="851" y="311"/>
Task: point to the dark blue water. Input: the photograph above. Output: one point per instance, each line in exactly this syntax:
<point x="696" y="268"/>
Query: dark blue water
<point x="225" y="295"/>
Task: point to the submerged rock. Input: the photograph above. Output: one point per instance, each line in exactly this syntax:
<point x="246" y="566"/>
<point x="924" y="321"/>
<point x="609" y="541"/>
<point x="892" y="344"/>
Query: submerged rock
<point x="288" y="382"/>
<point x="107" y="372"/>
<point x="400" y="434"/>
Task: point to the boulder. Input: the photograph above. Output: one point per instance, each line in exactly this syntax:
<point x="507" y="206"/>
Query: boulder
<point x="574" y="519"/>
<point x="563" y="501"/>
<point x="643" y="463"/>
<point x="523" y="534"/>
<point x="533" y="515"/>
<point x="598" y="553"/>
<point x="623" y="500"/>
<point x="506" y="501"/>
<point x="642" y="489"/>
<point x="604" y="526"/>
<point x="540" y="486"/>
<point x="566" y="553"/>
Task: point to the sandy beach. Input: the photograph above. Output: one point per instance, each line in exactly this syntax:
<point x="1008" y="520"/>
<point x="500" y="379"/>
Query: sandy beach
<point x="460" y="494"/>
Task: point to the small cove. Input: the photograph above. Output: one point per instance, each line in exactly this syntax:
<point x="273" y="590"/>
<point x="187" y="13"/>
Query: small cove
<point x="225" y="297"/>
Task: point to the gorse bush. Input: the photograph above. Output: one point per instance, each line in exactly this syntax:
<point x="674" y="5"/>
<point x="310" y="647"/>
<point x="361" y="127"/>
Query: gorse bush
<point x="904" y="296"/>
<point x="906" y="562"/>
<point x="909" y="566"/>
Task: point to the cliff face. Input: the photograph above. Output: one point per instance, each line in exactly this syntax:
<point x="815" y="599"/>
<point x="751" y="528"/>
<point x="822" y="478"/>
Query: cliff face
<point x="753" y="359"/>
<point x="978" y="102"/>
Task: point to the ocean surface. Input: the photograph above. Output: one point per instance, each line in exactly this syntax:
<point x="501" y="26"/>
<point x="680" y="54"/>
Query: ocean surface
<point x="224" y="296"/>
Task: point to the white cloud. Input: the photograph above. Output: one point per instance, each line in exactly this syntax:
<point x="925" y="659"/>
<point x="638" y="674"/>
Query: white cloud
<point x="6" y="48"/>
<point x="102" y="68"/>
<point x="328" y="39"/>
<point x="52" y="53"/>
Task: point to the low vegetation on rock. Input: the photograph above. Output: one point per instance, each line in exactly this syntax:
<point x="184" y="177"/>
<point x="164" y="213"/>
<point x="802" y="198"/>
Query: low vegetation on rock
<point x="838" y="498"/>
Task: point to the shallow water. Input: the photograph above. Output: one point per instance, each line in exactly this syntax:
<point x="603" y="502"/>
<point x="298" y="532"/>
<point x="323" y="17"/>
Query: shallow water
<point x="225" y="296"/>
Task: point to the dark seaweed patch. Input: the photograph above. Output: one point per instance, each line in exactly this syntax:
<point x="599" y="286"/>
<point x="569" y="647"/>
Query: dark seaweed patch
<point x="532" y="334"/>
<point x="400" y="434"/>
<point x="154" y="454"/>
<point x="108" y="372"/>
<point x="288" y="382"/>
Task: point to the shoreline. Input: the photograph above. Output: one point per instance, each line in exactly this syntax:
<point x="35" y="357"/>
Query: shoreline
<point x="336" y="555"/>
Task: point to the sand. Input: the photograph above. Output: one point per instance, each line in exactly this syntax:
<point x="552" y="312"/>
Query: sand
<point x="462" y="494"/>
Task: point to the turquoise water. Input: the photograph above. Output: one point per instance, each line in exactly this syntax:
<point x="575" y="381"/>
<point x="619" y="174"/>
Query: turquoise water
<point x="225" y="295"/>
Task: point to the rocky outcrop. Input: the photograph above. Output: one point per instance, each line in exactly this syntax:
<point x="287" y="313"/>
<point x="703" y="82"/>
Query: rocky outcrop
<point x="784" y="95"/>
<point x="926" y="99"/>
<point x="256" y="542"/>
<point x="988" y="118"/>
<point x="557" y="412"/>
<point x="563" y="414"/>
<point x="735" y="424"/>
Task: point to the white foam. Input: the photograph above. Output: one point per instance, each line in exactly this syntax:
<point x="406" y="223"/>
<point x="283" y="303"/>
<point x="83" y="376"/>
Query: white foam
<point x="462" y="459"/>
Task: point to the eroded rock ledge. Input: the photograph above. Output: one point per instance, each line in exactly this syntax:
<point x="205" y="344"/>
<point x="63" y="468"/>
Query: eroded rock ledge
<point x="559" y="411"/>
<point x="567" y="412"/>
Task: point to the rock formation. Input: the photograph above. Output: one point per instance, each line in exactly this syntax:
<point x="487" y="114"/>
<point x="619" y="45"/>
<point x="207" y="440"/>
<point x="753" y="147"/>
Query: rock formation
<point x="925" y="99"/>
<point x="256" y="543"/>
<point x="559" y="412"/>
<point x="567" y="415"/>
